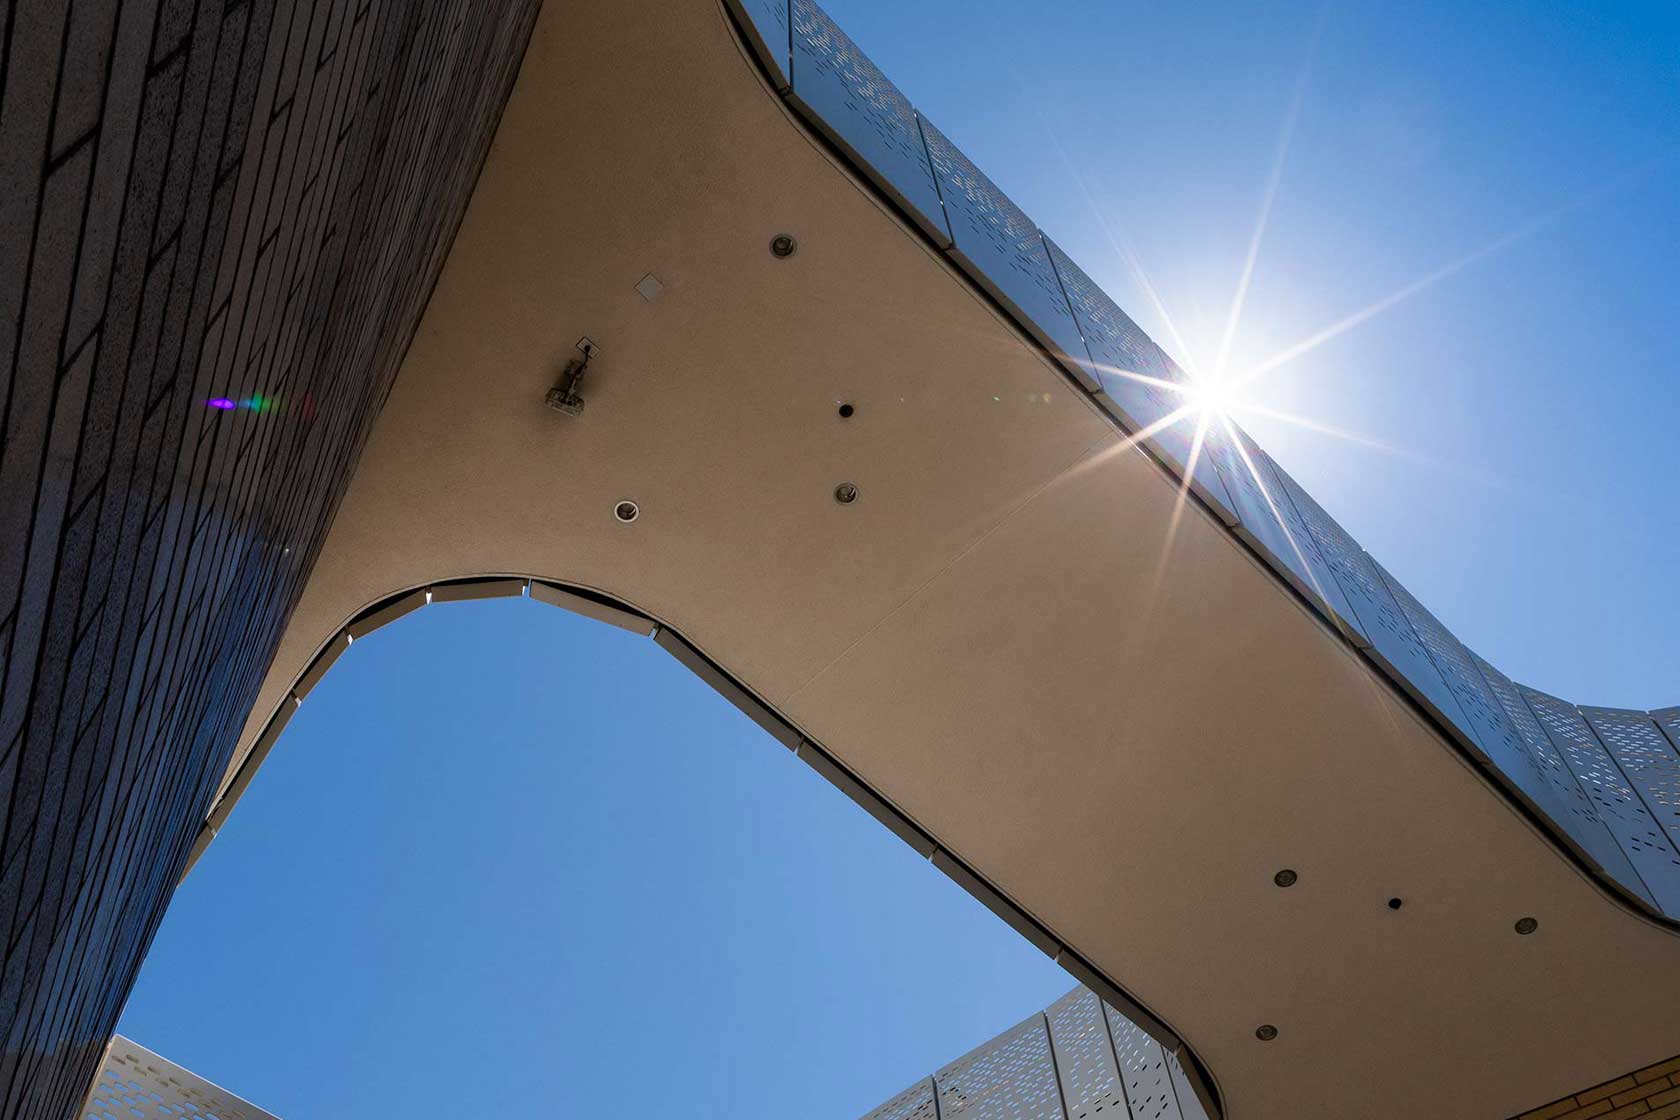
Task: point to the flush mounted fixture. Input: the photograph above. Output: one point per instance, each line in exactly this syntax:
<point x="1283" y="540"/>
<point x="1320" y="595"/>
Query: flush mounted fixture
<point x="846" y="410"/>
<point x="649" y="287"/>
<point x="782" y="246"/>
<point x="846" y="493"/>
<point x="627" y="511"/>
<point x="1526" y="926"/>
<point x="1265" y="1032"/>
<point x="1285" y="878"/>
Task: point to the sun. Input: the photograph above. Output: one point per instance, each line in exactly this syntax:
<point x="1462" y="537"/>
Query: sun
<point x="1211" y="397"/>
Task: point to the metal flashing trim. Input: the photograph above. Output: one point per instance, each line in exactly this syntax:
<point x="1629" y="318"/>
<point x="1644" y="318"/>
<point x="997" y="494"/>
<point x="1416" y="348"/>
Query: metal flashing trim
<point x="386" y="612"/>
<point x="597" y="605"/>
<point x="335" y="647"/>
<point x="1075" y="966"/>
<point x="457" y="591"/>
<point x="254" y="760"/>
<point x="750" y="706"/>
<point x="596" y="609"/>
<point x="897" y="823"/>
<point x="1195" y="1097"/>
<point x="1013" y="916"/>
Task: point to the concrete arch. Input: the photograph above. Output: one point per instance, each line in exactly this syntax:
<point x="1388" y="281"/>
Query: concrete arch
<point x="594" y="604"/>
<point x="976" y="642"/>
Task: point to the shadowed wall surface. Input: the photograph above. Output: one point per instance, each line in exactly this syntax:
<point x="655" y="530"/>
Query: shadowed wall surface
<point x="218" y="228"/>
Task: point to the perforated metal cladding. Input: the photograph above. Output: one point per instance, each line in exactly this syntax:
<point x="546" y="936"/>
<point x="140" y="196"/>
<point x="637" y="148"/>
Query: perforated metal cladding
<point x="915" y="1103"/>
<point x="1380" y="618"/>
<point x="1650" y="852"/>
<point x="766" y="25"/>
<point x="1143" y="1070"/>
<point x="1647" y="758"/>
<point x="848" y="98"/>
<point x="1123" y="361"/>
<point x="134" y="1082"/>
<point x="1669" y="720"/>
<point x="1267" y="515"/>
<point x="1009" y="1078"/>
<point x="1085" y="1057"/>
<point x="1574" y="811"/>
<point x="1188" y="1104"/>
<point x="1001" y="249"/>
<point x="1488" y="725"/>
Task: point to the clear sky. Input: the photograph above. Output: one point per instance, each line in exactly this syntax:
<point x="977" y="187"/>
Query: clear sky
<point x="509" y="862"/>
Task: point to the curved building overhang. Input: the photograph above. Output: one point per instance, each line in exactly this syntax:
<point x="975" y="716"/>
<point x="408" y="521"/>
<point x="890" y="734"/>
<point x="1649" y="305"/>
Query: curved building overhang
<point x="1098" y="701"/>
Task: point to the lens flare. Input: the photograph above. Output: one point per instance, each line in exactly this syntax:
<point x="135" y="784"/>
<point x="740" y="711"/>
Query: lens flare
<point x="221" y="403"/>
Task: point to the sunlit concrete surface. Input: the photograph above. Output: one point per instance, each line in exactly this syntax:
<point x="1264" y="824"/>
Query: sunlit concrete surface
<point x="1125" y="740"/>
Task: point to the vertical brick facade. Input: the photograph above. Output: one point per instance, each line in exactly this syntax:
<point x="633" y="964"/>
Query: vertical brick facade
<point x="245" y="202"/>
<point x="1652" y="1093"/>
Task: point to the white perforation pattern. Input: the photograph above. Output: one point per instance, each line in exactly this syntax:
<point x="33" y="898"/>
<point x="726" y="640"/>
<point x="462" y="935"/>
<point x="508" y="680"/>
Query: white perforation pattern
<point x="1647" y="758"/>
<point x="1268" y="517"/>
<point x="1085" y="1058"/>
<point x="766" y="25"/>
<point x="1143" y="1069"/>
<point x="845" y="95"/>
<point x="1652" y="856"/>
<point x="1009" y="1078"/>
<point x="1392" y="640"/>
<point x="915" y="1103"/>
<point x="136" y="1084"/>
<point x="1575" y="813"/>
<point x="1001" y="249"/>
<point x="1188" y="1103"/>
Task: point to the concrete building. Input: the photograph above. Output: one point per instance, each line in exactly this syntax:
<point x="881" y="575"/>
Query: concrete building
<point x="733" y="347"/>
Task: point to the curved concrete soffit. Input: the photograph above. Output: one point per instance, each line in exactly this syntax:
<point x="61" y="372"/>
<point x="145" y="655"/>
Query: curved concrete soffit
<point x="601" y="607"/>
<point x="1602" y="783"/>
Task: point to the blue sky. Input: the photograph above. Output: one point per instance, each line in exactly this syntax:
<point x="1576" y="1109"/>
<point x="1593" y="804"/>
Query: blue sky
<point x="506" y="861"/>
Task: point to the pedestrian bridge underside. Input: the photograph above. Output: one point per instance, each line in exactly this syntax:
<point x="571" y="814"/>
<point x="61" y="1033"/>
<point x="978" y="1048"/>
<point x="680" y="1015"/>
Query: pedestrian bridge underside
<point x="1112" y="711"/>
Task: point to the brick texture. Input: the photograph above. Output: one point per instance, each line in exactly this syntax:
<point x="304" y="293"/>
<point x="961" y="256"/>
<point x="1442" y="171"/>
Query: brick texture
<point x="1652" y="1093"/>
<point x="238" y="200"/>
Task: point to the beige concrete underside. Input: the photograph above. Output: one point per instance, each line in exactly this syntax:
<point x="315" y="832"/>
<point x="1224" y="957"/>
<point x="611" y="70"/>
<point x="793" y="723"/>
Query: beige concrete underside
<point x="980" y="636"/>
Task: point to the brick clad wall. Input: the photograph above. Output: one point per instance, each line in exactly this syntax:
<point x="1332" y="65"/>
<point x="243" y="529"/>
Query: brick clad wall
<point x="246" y="200"/>
<point x="1652" y="1093"/>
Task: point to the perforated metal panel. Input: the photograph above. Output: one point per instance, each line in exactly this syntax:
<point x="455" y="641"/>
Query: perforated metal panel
<point x="1009" y="1078"/>
<point x="1647" y="758"/>
<point x="1486" y="723"/>
<point x="1652" y="856"/>
<point x="1123" y="363"/>
<point x="915" y="1103"/>
<point x="849" y="100"/>
<point x="1085" y="1057"/>
<point x="766" y="25"/>
<point x="1267" y="517"/>
<point x="1000" y="248"/>
<point x="1188" y="1103"/>
<point x="136" y="1083"/>
<point x="1669" y="720"/>
<point x="1391" y="639"/>
<point x="1568" y="804"/>
<point x="1143" y="1070"/>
